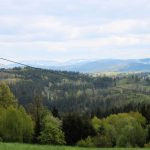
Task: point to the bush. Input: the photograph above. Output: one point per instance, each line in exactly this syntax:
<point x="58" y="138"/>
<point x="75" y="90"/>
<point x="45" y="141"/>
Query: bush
<point x="132" y="136"/>
<point x="121" y="130"/>
<point x="147" y="145"/>
<point x="97" y="141"/>
<point x="88" y="142"/>
<point x="51" y="132"/>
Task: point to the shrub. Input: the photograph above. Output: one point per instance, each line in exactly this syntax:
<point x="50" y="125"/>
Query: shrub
<point x="51" y="132"/>
<point x="88" y="142"/>
<point x="147" y="145"/>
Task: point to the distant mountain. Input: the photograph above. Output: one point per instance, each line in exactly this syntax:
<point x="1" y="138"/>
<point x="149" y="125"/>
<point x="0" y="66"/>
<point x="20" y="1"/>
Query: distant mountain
<point x="92" y="66"/>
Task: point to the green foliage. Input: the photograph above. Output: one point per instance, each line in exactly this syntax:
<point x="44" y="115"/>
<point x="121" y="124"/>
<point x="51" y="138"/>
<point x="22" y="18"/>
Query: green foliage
<point x="139" y="118"/>
<point x="37" y="111"/>
<point x="121" y="130"/>
<point x="76" y="127"/>
<point x="128" y="129"/>
<point x="88" y="142"/>
<point x="6" y="97"/>
<point x="96" y="123"/>
<point x="66" y="91"/>
<point x="88" y="96"/>
<point x="51" y="132"/>
<point x="131" y="136"/>
<point x="82" y="93"/>
<point x="15" y="125"/>
<point x="28" y="125"/>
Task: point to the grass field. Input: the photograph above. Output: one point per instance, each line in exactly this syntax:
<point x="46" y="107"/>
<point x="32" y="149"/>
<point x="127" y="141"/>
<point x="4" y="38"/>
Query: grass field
<point x="4" y="146"/>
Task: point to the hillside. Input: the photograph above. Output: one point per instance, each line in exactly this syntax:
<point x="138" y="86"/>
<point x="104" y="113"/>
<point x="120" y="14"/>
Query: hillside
<point x="75" y="92"/>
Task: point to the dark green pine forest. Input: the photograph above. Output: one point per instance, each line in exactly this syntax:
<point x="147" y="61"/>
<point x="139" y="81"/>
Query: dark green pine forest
<point x="99" y="95"/>
<point x="71" y="108"/>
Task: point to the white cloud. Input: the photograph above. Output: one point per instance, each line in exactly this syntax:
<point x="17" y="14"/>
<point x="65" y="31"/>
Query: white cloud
<point x="124" y="26"/>
<point x="74" y="27"/>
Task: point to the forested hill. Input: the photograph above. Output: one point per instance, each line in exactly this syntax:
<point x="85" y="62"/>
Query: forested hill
<point x="75" y="92"/>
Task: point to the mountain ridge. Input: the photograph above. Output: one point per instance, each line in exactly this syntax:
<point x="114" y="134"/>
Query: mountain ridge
<point x="92" y="66"/>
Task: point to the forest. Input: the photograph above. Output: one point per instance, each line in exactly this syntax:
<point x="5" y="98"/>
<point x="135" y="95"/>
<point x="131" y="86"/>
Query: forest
<point x="69" y="108"/>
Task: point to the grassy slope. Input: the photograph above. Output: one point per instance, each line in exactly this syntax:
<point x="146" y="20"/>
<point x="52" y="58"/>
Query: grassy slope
<point x="4" y="146"/>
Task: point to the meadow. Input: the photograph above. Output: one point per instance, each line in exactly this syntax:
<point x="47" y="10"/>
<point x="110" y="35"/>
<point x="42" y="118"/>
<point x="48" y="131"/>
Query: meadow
<point x="15" y="146"/>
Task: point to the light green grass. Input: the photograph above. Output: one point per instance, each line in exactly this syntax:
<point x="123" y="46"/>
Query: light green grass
<point x="4" y="146"/>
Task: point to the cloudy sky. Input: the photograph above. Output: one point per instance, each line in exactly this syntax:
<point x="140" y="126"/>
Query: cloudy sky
<point x="74" y="29"/>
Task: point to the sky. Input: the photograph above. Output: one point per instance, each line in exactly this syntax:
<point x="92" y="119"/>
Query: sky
<point x="74" y="29"/>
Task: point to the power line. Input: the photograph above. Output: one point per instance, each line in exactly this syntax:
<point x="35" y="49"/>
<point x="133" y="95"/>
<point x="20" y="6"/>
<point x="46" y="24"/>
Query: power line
<point x="15" y="62"/>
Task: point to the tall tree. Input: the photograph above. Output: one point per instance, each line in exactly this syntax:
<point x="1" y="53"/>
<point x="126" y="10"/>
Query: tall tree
<point x="76" y="128"/>
<point x="6" y="97"/>
<point x="36" y="110"/>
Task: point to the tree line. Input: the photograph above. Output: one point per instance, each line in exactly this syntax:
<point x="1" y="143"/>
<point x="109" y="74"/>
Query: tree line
<point x="39" y="125"/>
